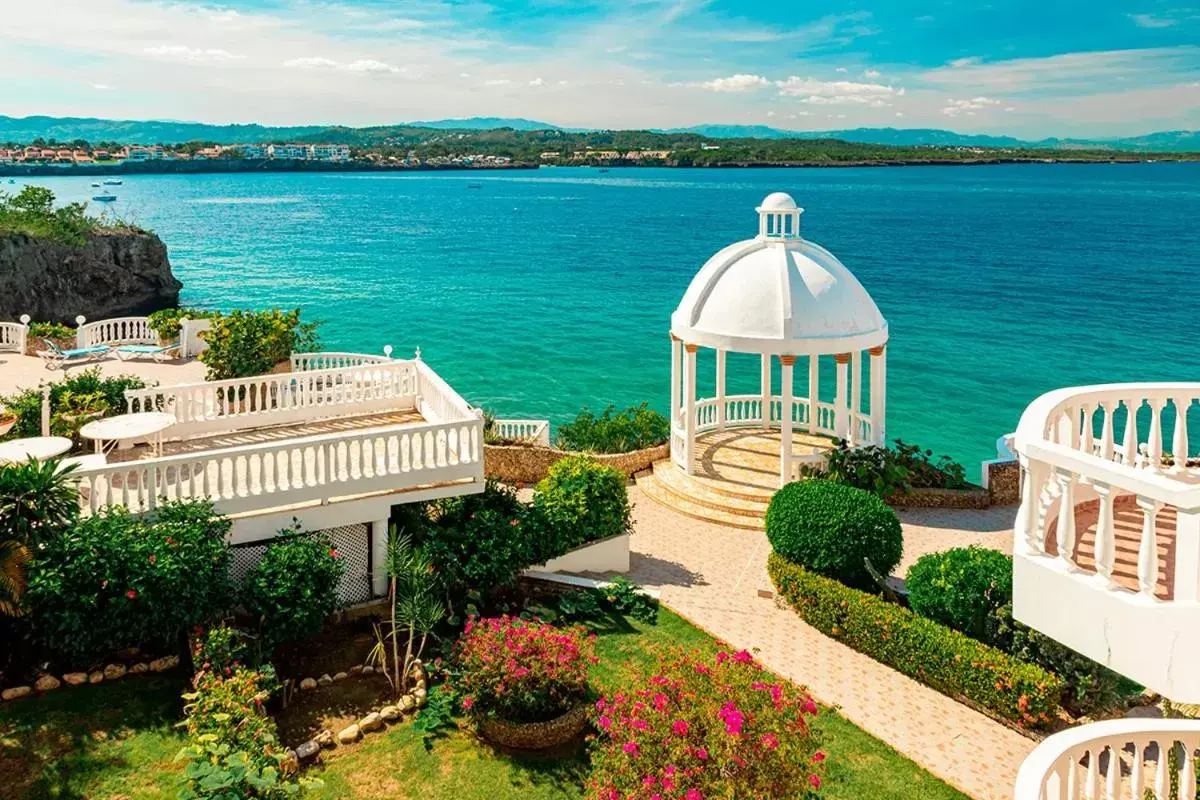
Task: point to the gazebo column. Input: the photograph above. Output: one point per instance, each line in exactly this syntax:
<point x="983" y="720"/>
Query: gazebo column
<point x="879" y="393"/>
<point x="720" y="389"/>
<point x="840" y="409"/>
<point x="814" y="391"/>
<point x="689" y="404"/>
<point x="785" y="419"/>
<point x="855" y="395"/>
<point x="766" y="391"/>
<point x="675" y="349"/>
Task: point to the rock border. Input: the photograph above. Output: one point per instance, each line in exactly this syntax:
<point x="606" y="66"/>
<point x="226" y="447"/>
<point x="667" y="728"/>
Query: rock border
<point x="520" y="463"/>
<point x="974" y="497"/>
<point x="111" y="672"/>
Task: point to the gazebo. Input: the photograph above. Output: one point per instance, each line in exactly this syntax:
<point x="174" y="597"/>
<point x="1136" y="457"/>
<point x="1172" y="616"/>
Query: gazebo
<point x="778" y="296"/>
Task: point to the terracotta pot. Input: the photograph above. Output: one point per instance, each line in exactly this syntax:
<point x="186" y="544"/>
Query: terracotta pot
<point x="535" y="735"/>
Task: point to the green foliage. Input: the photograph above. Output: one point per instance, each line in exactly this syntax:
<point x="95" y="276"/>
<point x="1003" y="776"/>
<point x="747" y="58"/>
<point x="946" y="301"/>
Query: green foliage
<point x="887" y="471"/>
<point x="14" y="558"/>
<point x="166" y="322"/>
<point x="962" y="587"/>
<point x="31" y="212"/>
<point x="830" y="528"/>
<point x="949" y="661"/>
<point x="219" y="648"/>
<point x="620" y="596"/>
<point x="634" y="428"/>
<point x="1088" y="686"/>
<point x="293" y="588"/>
<point x="476" y="542"/>
<point x="246" y="343"/>
<point x="37" y="500"/>
<point x="416" y="610"/>
<point x="436" y="719"/>
<point x="233" y="752"/>
<point x="580" y="501"/>
<point x="54" y="331"/>
<point x="113" y="580"/>
<point x="27" y="403"/>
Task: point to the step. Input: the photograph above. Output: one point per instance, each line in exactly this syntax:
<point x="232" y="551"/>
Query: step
<point x="653" y="488"/>
<point x="750" y="493"/>
<point x="677" y="482"/>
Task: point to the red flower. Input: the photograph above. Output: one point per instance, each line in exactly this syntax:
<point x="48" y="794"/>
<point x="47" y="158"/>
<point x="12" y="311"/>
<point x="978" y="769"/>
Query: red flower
<point x="131" y="594"/>
<point x="333" y="552"/>
<point x="152" y="558"/>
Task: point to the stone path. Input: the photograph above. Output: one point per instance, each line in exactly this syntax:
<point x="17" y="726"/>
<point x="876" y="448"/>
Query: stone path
<point x="24" y="372"/>
<point x="710" y="574"/>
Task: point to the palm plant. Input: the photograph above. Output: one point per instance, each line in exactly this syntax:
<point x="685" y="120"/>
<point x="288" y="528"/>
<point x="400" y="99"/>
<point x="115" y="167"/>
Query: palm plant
<point x="37" y="498"/>
<point x="416" y="610"/>
<point x="13" y="558"/>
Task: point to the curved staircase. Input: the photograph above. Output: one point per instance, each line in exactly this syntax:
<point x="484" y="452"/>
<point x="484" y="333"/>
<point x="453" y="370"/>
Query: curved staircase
<point x="719" y="502"/>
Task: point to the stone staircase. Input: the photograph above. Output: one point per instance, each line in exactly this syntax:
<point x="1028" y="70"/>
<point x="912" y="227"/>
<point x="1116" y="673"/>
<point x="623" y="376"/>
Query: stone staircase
<point x="720" y="502"/>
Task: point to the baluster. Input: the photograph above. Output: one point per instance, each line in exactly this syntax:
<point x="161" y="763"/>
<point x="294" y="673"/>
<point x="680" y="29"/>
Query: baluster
<point x="1092" y="785"/>
<point x="1179" y="446"/>
<point x="1137" y="773"/>
<point x="1112" y="784"/>
<point x="1066" y="517"/>
<point x="1131" y="435"/>
<point x="1187" y="772"/>
<point x="1034" y="474"/>
<point x="1155" y="445"/>
<point x="1160" y="773"/>
<point x="1105" y="535"/>
<point x="1106" y="432"/>
<point x="1148" y="548"/>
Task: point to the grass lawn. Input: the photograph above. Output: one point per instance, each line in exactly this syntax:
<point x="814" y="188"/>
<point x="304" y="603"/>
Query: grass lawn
<point x="117" y="743"/>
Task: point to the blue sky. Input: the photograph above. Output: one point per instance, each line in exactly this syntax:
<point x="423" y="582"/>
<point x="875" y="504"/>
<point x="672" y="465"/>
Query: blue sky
<point x="1107" y="67"/>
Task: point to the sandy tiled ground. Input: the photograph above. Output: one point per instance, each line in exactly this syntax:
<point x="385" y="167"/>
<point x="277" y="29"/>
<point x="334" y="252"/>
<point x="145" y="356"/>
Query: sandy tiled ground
<point x="710" y="574"/>
<point x="20" y="372"/>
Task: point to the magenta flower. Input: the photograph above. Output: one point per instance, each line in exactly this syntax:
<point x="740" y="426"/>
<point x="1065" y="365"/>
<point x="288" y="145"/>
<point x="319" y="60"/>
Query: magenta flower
<point x="680" y="727"/>
<point x="630" y="748"/>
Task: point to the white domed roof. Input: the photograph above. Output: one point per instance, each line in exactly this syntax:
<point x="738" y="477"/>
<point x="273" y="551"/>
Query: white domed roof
<point x="779" y="294"/>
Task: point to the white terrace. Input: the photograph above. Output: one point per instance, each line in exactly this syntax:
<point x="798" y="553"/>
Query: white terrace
<point x="343" y="434"/>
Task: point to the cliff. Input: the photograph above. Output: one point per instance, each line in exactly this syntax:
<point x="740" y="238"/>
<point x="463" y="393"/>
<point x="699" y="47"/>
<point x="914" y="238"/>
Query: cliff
<point x="116" y="273"/>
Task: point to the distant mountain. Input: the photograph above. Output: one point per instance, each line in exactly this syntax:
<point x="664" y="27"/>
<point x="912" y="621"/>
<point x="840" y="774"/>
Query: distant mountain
<point x="487" y="124"/>
<point x="65" y="129"/>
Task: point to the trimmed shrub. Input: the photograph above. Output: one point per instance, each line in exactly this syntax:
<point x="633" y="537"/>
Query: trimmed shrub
<point x="476" y="542"/>
<point x="522" y="671"/>
<point x="113" y="581"/>
<point x="949" y="661"/>
<point x="830" y="528"/>
<point x="887" y="471"/>
<point x="706" y="728"/>
<point x="106" y="392"/>
<point x="961" y="587"/>
<point x="581" y="501"/>
<point x="634" y="428"/>
<point x="246" y="343"/>
<point x="166" y="322"/>
<point x="293" y="588"/>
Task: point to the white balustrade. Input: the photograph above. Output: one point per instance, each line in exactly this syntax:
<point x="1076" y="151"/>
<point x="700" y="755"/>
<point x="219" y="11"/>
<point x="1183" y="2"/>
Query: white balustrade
<point x="745" y="411"/>
<point x="13" y="336"/>
<point x="280" y="473"/>
<point x="436" y="401"/>
<point x="116" y="331"/>
<point x="307" y="362"/>
<point x="283" y="398"/>
<point x="535" y="431"/>
<point x="1105" y="468"/>
<point x="1122" y="759"/>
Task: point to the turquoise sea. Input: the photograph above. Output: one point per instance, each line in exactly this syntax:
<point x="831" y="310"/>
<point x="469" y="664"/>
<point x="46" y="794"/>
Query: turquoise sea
<point x="540" y="292"/>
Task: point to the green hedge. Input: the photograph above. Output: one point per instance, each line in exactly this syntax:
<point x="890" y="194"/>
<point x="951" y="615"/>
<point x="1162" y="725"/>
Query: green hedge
<point x="933" y="654"/>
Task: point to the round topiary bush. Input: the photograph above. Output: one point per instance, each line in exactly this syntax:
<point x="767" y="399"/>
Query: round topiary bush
<point x="961" y="587"/>
<point x="581" y="501"/>
<point x="830" y="528"/>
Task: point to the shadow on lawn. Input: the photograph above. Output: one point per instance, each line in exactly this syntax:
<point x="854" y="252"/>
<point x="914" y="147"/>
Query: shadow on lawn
<point x="57" y="744"/>
<point x="335" y="707"/>
<point x="557" y="767"/>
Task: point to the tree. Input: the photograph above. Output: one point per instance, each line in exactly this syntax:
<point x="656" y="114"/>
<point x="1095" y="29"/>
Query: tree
<point x="416" y="610"/>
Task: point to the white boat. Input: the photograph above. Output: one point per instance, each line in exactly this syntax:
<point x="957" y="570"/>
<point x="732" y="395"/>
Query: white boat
<point x="112" y="181"/>
<point x="95" y="185"/>
<point x="106" y="197"/>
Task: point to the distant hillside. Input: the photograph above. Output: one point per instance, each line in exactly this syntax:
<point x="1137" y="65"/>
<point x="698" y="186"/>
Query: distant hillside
<point x="66" y="129"/>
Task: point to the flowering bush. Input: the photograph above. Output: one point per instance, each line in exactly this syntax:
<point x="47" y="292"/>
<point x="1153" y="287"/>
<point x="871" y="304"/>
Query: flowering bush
<point x="705" y="729"/>
<point x="293" y="588"/>
<point x="521" y="671"/>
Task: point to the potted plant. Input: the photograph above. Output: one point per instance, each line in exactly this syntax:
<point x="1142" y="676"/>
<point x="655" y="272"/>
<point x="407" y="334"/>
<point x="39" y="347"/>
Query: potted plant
<point x="76" y="409"/>
<point x="524" y="683"/>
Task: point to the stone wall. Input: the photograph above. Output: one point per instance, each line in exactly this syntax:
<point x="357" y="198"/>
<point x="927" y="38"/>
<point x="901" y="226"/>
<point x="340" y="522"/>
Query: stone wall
<point x="941" y="498"/>
<point x="529" y="464"/>
<point x="1004" y="482"/>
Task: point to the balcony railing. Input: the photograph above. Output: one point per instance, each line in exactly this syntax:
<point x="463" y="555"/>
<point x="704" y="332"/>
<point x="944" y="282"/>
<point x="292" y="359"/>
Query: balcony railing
<point x="1108" y="534"/>
<point x="116" y="331"/>
<point x="13" y="336"/>
<point x="746" y="411"/>
<point x="535" y="431"/>
<point x="306" y="362"/>
<point x="1123" y="759"/>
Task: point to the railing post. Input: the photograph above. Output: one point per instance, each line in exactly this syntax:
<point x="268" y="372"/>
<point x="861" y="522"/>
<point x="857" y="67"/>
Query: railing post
<point x="1130" y="443"/>
<point x="1187" y="556"/>
<point x="1154" y="448"/>
<point x="80" y="321"/>
<point x="1033" y="475"/>
<point x="1148" y="547"/>
<point x="1179" y="446"/>
<point x="1106" y="544"/>
<point x="1066" y="517"/>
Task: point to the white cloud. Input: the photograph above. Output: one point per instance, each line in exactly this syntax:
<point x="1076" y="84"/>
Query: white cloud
<point x="770" y="113"/>
<point x="955" y="108"/>
<point x="181" y="52"/>
<point x="838" y="93"/>
<point x="537" y="82"/>
<point x="1080" y="72"/>
<point x="871" y="73"/>
<point x="1010" y="108"/>
<point x="360" y="66"/>
<point x="899" y="114"/>
<point x="742" y="82"/>
<point x="497" y="82"/>
<point x="964" y="62"/>
<point x="101" y="87"/>
<point x="1151" y="21"/>
<point x="840" y="69"/>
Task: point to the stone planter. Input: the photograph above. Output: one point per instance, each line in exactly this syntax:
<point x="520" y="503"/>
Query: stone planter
<point x="535" y="735"/>
<point x="529" y="464"/>
<point x="974" y="497"/>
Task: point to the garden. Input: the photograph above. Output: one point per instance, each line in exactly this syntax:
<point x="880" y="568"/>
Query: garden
<point x="142" y="669"/>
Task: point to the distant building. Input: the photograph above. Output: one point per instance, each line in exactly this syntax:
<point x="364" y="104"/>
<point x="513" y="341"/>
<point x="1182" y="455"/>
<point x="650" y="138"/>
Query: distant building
<point x="710" y="147"/>
<point x="296" y="152"/>
<point x="7" y="156"/>
<point x="144" y="153"/>
<point x="252" y="150"/>
<point x="329" y="152"/>
<point x="101" y="155"/>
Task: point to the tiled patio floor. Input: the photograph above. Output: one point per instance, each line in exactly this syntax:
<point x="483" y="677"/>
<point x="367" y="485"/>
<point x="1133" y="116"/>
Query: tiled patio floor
<point x="710" y="574"/>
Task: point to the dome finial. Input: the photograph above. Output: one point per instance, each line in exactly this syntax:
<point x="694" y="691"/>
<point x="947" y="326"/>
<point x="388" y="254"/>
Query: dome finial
<point x="779" y="217"/>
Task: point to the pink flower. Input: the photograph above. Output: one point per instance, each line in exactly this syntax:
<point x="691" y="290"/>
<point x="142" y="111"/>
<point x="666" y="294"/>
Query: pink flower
<point x="770" y="741"/>
<point x="660" y="702"/>
<point x="604" y="722"/>
<point x="818" y="757"/>
<point x="467" y="703"/>
<point x="693" y="794"/>
<point x="743" y="657"/>
<point x="701" y="753"/>
<point x="815" y="781"/>
<point x="680" y="727"/>
<point x="631" y="748"/>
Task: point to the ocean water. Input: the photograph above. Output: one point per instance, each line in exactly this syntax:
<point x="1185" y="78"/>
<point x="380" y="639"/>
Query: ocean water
<point x="540" y="292"/>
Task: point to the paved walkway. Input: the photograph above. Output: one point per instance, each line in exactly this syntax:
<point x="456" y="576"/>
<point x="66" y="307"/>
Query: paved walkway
<point x="25" y="372"/>
<point x="710" y="574"/>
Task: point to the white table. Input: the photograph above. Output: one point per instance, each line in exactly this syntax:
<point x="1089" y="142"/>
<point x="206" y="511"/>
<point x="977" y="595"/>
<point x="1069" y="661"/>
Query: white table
<point x="124" y="429"/>
<point x="19" y="451"/>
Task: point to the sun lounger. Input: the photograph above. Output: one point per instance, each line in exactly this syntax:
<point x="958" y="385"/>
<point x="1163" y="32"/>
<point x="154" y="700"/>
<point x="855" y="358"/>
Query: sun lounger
<point x="127" y="352"/>
<point x="56" y="357"/>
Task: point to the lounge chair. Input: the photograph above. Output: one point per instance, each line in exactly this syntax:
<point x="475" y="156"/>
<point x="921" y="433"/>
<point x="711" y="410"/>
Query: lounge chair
<point x="127" y="352"/>
<point x="56" y="357"/>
